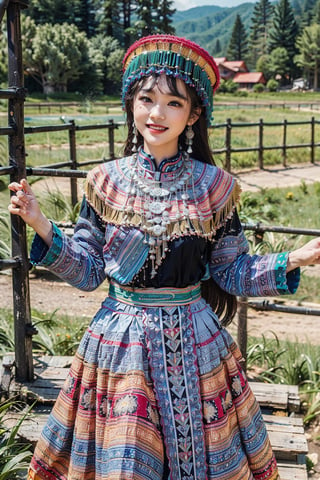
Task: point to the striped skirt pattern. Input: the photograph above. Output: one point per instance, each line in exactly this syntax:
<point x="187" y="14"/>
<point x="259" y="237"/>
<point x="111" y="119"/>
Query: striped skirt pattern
<point x="152" y="386"/>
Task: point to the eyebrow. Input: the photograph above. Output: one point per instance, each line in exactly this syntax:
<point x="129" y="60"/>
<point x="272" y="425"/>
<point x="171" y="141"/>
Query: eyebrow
<point x="170" y="94"/>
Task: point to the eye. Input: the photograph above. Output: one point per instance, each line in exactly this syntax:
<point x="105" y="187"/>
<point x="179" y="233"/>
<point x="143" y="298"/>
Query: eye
<point x="175" y="103"/>
<point x="144" y="99"/>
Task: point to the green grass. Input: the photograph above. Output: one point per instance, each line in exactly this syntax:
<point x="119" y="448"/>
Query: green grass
<point x="289" y="363"/>
<point x="57" y="334"/>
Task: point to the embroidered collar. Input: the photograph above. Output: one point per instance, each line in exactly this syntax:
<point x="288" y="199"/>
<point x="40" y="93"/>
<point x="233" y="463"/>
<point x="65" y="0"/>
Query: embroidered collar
<point x="168" y="169"/>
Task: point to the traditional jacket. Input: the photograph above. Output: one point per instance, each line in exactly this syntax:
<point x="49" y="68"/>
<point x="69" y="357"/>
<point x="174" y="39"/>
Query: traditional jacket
<point x="106" y="245"/>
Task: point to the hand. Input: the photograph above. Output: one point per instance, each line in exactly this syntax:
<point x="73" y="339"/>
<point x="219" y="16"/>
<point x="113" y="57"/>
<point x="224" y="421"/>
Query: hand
<point x="309" y="254"/>
<point x="25" y="204"/>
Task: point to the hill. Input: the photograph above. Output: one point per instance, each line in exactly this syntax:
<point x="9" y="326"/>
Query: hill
<point x="207" y="24"/>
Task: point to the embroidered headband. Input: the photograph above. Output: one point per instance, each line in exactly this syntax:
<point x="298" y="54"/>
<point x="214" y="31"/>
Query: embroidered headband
<point x="174" y="56"/>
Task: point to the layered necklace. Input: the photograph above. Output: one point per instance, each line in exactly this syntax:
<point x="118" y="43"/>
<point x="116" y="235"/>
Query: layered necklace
<point x="162" y="204"/>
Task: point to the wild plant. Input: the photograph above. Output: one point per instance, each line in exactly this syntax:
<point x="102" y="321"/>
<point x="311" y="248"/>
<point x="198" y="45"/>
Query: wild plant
<point x="15" y="455"/>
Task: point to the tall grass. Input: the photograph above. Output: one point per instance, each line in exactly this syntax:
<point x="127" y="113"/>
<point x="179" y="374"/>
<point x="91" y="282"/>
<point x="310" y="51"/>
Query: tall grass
<point x="56" y="334"/>
<point x="289" y="363"/>
<point x="15" y="456"/>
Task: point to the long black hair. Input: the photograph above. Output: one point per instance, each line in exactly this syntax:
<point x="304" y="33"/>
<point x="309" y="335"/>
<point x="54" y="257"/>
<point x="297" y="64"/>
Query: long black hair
<point x="222" y="303"/>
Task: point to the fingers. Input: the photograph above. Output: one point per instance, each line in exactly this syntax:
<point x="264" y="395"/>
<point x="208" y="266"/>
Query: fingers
<point x="23" y="185"/>
<point x="20" y="201"/>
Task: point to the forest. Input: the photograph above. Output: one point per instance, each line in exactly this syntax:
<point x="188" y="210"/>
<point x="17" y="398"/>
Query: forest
<point x="78" y="46"/>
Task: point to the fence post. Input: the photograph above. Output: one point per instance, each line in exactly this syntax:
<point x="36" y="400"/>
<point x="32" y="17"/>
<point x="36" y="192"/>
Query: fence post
<point x="312" y="140"/>
<point x="111" y="138"/>
<point x="260" y="160"/>
<point x="73" y="160"/>
<point x="242" y="332"/>
<point x="228" y="145"/>
<point x="20" y="277"/>
<point x="284" y="144"/>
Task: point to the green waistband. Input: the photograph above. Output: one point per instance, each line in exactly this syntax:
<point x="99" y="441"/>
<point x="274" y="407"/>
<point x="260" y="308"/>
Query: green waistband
<point x="155" y="296"/>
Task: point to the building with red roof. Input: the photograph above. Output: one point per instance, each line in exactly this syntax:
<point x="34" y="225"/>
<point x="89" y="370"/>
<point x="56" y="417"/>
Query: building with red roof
<point x="249" y="79"/>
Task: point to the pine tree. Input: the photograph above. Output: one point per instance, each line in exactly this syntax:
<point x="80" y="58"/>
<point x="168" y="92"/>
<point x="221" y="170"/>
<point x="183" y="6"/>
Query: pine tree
<point x="316" y="15"/>
<point x="309" y="52"/>
<point x="165" y="17"/>
<point x="260" y="24"/>
<point x="308" y="12"/>
<point x="108" y="18"/>
<point x="238" y="46"/>
<point x="217" y="48"/>
<point x="146" y="13"/>
<point x="283" y="33"/>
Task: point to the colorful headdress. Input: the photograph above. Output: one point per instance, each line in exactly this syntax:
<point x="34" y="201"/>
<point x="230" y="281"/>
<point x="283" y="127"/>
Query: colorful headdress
<point x="174" y="56"/>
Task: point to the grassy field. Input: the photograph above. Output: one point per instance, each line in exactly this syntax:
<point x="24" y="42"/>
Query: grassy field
<point x="46" y="148"/>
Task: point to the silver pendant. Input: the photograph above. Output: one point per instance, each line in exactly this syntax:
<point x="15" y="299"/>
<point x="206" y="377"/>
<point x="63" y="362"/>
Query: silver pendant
<point x="157" y="207"/>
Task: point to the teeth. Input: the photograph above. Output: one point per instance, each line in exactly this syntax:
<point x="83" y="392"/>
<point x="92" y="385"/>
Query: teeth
<point x="157" y="128"/>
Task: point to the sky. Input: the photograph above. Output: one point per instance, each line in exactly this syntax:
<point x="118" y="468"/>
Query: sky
<point x="185" y="5"/>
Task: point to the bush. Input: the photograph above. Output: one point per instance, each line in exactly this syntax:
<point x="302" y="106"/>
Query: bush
<point x="228" y="86"/>
<point x="258" y="88"/>
<point x="272" y="85"/>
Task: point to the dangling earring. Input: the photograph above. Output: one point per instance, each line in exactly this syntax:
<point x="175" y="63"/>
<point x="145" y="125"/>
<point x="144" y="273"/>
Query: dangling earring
<point x="134" y="138"/>
<point x="189" y="138"/>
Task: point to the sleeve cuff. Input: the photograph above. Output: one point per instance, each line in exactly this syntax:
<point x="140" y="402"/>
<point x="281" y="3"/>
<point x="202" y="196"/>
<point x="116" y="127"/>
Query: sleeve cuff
<point x="43" y="255"/>
<point x="286" y="283"/>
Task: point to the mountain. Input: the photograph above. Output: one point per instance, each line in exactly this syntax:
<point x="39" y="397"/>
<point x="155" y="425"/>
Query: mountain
<point x="205" y="25"/>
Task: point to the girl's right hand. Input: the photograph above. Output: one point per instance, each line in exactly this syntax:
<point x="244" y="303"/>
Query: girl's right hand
<point x="25" y="204"/>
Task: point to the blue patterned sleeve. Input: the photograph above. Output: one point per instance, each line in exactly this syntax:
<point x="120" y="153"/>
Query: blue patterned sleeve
<point x="77" y="260"/>
<point x="240" y="273"/>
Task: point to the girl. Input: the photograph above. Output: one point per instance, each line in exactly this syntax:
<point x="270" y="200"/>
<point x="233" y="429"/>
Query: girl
<point x="156" y="390"/>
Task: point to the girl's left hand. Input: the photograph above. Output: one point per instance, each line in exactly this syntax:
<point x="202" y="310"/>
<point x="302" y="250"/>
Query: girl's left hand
<point x="309" y="254"/>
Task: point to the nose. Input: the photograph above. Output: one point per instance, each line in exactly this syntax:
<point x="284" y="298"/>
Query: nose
<point x="157" y="111"/>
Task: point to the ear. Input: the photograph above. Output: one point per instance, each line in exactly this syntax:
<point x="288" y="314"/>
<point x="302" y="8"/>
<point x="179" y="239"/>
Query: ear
<point x="194" y="115"/>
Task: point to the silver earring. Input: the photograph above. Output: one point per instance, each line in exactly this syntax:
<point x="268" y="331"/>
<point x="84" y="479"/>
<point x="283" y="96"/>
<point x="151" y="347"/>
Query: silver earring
<point x="189" y="138"/>
<point x="134" y="138"/>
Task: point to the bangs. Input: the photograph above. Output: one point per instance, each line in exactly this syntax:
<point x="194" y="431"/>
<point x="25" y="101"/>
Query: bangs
<point x="159" y="80"/>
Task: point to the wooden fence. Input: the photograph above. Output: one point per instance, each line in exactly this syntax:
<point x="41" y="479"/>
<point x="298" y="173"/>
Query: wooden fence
<point x="71" y="167"/>
<point x="49" y="107"/>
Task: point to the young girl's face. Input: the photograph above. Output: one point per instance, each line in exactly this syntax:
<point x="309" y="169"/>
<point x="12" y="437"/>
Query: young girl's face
<point x="161" y="116"/>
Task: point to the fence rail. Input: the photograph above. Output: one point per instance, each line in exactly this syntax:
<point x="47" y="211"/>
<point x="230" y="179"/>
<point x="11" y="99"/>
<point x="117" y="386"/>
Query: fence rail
<point x="228" y="149"/>
<point x="48" y="107"/>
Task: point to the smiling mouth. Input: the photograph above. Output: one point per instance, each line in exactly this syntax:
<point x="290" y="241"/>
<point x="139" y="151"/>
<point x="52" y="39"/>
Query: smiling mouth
<point x="158" y="128"/>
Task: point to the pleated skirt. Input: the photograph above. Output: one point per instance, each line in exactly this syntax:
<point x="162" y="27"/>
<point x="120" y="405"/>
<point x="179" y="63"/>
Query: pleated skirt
<point x="155" y="391"/>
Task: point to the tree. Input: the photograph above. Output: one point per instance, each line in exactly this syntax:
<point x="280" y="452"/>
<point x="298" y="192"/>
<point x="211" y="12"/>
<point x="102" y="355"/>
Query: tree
<point x="217" y="48"/>
<point x="308" y="12"/>
<point x="108" y="55"/>
<point x="283" y="33"/>
<point x="56" y="55"/>
<point x="309" y="52"/>
<point x="238" y="46"/>
<point x="147" y="18"/>
<point x="316" y="16"/>
<point x="263" y="65"/>
<point x="260" y="24"/>
<point x="278" y="63"/>
<point x="166" y="13"/>
<point x="108" y="18"/>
